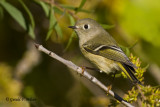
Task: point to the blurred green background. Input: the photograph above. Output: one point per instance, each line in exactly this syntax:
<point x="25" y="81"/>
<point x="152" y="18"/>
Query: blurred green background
<point x="26" y="72"/>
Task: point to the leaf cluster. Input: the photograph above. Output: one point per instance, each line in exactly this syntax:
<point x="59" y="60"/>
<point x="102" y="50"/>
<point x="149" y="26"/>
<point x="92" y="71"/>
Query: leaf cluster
<point x="146" y="95"/>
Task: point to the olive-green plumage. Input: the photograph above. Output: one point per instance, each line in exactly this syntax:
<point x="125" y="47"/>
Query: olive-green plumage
<point x="101" y="49"/>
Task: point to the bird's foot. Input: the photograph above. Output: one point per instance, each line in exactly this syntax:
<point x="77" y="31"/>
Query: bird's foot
<point x="109" y="88"/>
<point x="83" y="69"/>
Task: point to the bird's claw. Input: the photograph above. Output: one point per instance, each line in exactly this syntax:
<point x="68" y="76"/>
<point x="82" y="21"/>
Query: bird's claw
<point x="83" y="69"/>
<point x="109" y="88"/>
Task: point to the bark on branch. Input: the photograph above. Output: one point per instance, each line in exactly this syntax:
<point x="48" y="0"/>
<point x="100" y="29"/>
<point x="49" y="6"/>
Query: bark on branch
<point x="84" y="73"/>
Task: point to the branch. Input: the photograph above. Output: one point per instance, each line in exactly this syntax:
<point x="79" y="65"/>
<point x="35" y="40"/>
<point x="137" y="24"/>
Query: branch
<point x="84" y="73"/>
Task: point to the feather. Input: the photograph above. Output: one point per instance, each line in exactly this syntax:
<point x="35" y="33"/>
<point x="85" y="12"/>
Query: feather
<point x="110" y="52"/>
<point x="129" y="71"/>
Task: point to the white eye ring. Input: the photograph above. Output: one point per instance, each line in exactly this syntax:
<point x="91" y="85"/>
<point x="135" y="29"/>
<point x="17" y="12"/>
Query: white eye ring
<point x="86" y="26"/>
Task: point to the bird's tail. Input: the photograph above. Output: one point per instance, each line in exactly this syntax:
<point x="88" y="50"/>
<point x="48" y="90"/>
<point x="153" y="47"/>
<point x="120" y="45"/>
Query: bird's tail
<point x="129" y="71"/>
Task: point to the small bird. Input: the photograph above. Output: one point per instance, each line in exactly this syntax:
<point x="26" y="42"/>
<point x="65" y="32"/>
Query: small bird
<point x="101" y="49"/>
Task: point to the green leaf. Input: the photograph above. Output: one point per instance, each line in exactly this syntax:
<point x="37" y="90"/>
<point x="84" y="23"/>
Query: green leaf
<point x="127" y="51"/>
<point x="31" y="19"/>
<point x="44" y="6"/>
<point x="49" y="34"/>
<point x="15" y="13"/>
<point x="57" y="10"/>
<point x="31" y="32"/>
<point x="75" y="8"/>
<point x="68" y="7"/>
<point x="58" y="30"/>
<point x="72" y="21"/>
<point x="107" y="26"/>
<point x="117" y="75"/>
<point x="53" y="24"/>
<point x="81" y="5"/>
<point x="52" y="19"/>
<point x="146" y="67"/>
<point x="70" y="41"/>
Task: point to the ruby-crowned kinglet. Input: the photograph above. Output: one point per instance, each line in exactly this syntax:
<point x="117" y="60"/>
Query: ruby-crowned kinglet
<point x="101" y="49"/>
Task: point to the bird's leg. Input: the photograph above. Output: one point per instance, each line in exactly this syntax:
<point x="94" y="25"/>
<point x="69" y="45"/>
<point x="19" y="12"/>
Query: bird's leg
<point x="83" y="68"/>
<point x="109" y="88"/>
<point x="114" y="76"/>
<point x="94" y="69"/>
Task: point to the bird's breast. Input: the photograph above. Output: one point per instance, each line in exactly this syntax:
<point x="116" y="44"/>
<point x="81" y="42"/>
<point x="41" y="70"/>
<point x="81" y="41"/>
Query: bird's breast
<point x="104" y="64"/>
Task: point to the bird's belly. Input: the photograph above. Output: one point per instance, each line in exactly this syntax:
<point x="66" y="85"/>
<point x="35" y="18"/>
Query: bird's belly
<point x="104" y="64"/>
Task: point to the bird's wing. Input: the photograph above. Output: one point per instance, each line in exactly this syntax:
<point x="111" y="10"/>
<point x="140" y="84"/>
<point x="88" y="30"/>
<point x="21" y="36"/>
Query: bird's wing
<point x="111" y="52"/>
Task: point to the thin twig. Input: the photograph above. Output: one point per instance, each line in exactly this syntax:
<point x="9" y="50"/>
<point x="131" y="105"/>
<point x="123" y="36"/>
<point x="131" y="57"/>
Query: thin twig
<point x="84" y="73"/>
<point x="140" y="91"/>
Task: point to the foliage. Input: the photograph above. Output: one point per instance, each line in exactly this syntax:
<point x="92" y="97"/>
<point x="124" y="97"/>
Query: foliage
<point x="17" y="15"/>
<point x="148" y="95"/>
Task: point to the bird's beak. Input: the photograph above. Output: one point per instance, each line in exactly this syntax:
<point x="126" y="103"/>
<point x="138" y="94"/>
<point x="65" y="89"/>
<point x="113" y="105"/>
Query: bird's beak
<point x="73" y="27"/>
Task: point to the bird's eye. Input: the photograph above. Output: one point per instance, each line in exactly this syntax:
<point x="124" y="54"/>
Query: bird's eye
<point x="86" y="26"/>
